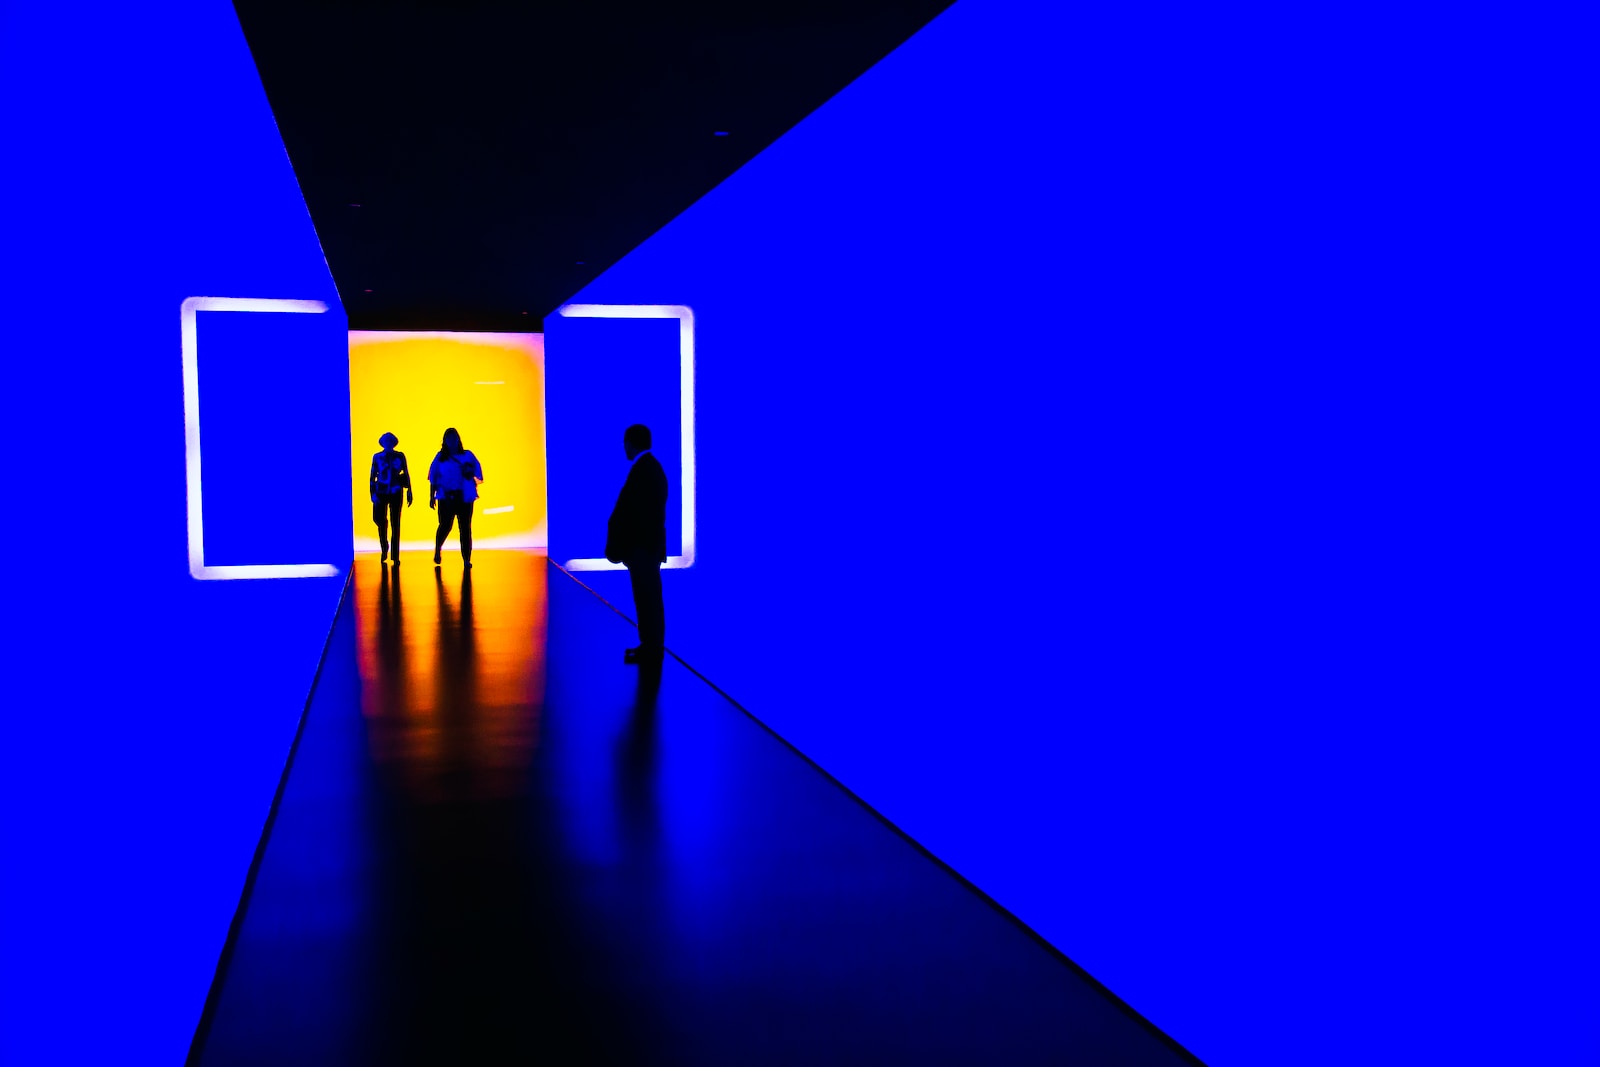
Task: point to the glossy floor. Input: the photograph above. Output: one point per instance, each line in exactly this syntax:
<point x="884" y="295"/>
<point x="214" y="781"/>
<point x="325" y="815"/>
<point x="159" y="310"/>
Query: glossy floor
<point x="499" y="844"/>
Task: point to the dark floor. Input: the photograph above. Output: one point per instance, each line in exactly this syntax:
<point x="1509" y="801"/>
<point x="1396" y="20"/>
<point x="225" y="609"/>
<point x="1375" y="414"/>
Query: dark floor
<point x="499" y="844"/>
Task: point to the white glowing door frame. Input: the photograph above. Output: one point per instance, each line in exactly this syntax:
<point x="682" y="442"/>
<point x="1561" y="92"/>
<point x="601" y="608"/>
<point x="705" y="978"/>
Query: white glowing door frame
<point x="685" y="317"/>
<point x="191" y="436"/>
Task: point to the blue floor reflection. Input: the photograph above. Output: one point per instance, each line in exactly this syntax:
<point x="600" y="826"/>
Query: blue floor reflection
<point x="499" y="843"/>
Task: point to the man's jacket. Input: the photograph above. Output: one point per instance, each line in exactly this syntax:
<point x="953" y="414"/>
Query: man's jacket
<point x="637" y="531"/>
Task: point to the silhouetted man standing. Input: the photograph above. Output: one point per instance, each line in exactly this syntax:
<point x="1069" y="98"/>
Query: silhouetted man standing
<point x="637" y="538"/>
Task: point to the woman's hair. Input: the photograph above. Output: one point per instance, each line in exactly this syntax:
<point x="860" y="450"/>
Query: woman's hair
<point x="451" y="444"/>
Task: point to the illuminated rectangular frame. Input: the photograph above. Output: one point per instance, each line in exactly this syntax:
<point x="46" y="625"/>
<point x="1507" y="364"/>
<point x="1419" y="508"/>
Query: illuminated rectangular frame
<point x="191" y="436"/>
<point x="685" y="317"/>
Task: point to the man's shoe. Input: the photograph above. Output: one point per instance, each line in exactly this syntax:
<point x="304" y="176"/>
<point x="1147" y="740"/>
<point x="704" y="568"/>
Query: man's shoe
<point x="436" y="559"/>
<point x="383" y="553"/>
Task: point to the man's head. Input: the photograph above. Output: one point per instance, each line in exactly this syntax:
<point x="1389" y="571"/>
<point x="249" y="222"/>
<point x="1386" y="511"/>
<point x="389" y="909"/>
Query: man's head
<point x="388" y="441"/>
<point x="636" y="439"/>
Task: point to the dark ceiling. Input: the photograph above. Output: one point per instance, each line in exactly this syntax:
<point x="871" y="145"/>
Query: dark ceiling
<point x="472" y="165"/>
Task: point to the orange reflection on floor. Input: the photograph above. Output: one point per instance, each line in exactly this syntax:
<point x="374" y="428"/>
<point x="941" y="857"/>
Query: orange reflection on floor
<point x="452" y="670"/>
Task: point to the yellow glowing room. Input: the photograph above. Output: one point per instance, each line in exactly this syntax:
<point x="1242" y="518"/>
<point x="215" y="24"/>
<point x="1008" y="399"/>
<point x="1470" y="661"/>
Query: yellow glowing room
<point x="490" y="388"/>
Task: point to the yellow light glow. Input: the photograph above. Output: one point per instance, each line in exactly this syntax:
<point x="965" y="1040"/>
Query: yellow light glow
<point x="490" y="387"/>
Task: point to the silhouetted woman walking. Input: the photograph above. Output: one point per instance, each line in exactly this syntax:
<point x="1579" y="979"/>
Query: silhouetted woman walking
<point x="390" y="478"/>
<point x="453" y="479"/>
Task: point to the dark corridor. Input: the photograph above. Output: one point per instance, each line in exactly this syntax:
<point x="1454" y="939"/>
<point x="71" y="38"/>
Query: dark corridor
<point x="498" y="844"/>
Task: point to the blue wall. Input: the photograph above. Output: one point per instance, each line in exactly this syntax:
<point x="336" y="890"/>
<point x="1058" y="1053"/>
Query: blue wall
<point x="148" y="714"/>
<point x="1138" y="453"/>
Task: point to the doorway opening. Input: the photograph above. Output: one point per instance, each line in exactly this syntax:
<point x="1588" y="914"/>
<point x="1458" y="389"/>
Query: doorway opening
<point x="490" y="387"/>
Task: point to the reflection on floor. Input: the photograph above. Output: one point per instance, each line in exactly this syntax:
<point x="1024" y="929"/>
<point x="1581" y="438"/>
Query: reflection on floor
<point x="500" y="844"/>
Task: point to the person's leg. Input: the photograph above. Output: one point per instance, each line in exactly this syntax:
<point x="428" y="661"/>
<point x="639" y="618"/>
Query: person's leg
<point x="379" y="517"/>
<point x="396" y="504"/>
<point x="464" y="517"/>
<point x="636" y="580"/>
<point x="658" y="611"/>
<point x="646" y="581"/>
<point x="445" y="521"/>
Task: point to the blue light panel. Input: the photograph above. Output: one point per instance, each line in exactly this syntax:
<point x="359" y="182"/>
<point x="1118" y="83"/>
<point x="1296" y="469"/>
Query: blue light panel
<point x="148" y="714"/>
<point x="1130" y="450"/>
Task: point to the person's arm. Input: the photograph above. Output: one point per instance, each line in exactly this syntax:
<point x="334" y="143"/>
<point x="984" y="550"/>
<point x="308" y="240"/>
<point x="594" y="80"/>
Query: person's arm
<point x="619" y="530"/>
<point x="433" y="483"/>
<point x="372" y="480"/>
<point x="405" y="476"/>
<point x="478" y="466"/>
<point x="613" y="542"/>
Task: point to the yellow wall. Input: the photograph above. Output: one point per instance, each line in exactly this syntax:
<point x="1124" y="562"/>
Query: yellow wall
<point x="490" y="387"/>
